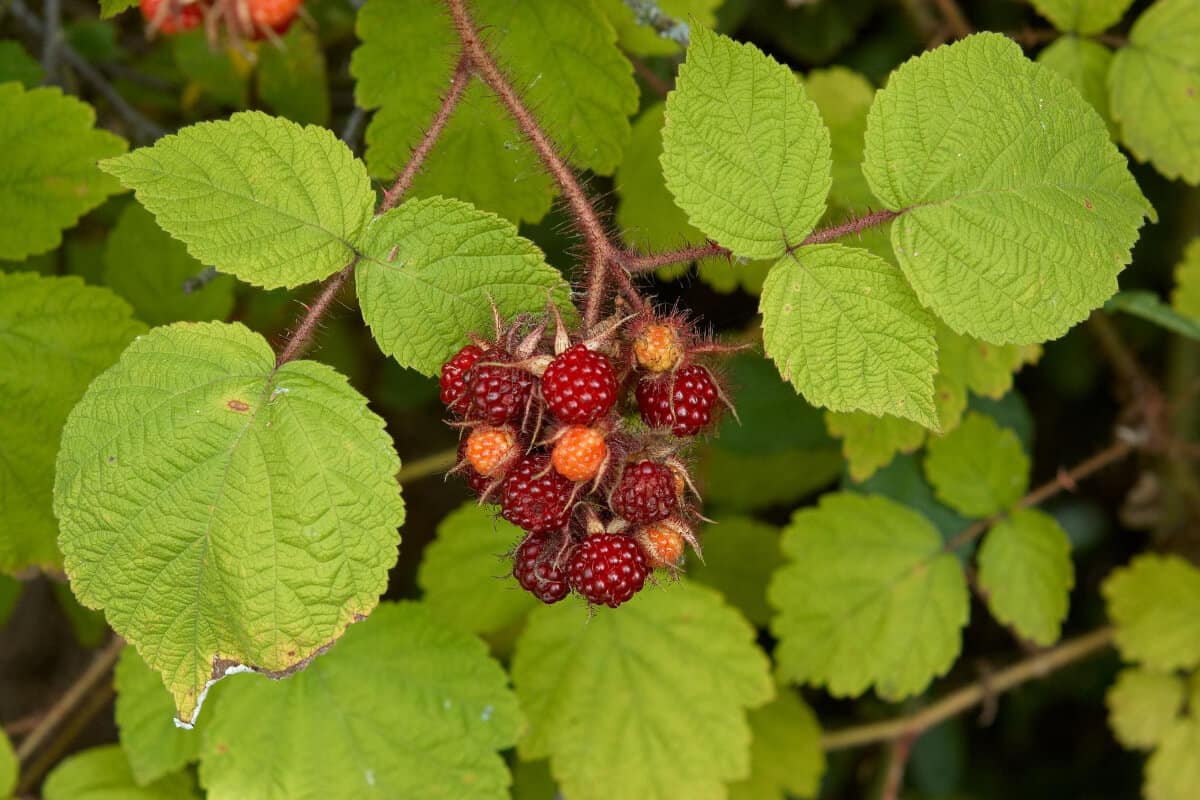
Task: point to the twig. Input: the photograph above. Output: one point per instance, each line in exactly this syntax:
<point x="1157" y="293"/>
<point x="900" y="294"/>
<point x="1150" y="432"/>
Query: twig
<point x="648" y="76"/>
<point x="1036" y="666"/>
<point x="458" y="84"/>
<point x="587" y="221"/>
<point x="427" y="465"/>
<point x="955" y="18"/>
<point x="52" y="14"/>
<point x="71" y="698"/>
<point x="302" y="336"/>
<point x="1064" y="480"/>
<point x="22" y="725"/>
<point x="901" y="753"/>
<point x="70" y="732"/>
<point x="144" y="129"/>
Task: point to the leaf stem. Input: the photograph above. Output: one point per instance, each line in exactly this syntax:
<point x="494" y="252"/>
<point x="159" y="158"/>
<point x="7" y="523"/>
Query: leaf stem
<point x="427" y="465"/>
<point x="302" y="336"/>
<point x="1036" y="666"/>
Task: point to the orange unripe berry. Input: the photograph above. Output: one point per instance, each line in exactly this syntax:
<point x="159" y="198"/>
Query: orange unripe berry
<point x="579" y="453"/>
<point x="658" y="348"/>
<point x="661" y="543"/>
<point x="490" y="450"/>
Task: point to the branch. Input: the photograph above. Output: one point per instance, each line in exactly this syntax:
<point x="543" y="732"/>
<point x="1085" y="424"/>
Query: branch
<point x="1064" y="480"/>
<point x="894" y="778"/>
<point x="1036" y="666"/>
<point x="70" y="699"/>
<point x="587" y="221"/>
<point x="52" y="12"/>
<point x="955" y="18"/>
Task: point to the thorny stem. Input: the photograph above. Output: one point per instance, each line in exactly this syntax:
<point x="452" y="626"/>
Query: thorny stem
<point x="302" y="336"/>
<point x="600" y="250"/>
<point x="1036" y="666"/>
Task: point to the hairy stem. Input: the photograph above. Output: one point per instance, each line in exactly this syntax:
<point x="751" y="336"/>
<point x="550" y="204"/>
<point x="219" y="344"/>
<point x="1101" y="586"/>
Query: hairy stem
<point x="303" y="334"/>
<point x="600" y="250"/>
<point x="458" y="85"/>
<point x="953" y="704"/>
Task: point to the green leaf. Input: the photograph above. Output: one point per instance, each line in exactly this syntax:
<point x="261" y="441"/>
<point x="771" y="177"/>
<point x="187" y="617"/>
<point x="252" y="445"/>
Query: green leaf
<point x="1085" y="64"/>
<point x="143" y="264"/>
<point x="269" y="201"/>
<point x="843" y="98"/>
<point x="868" y="598"/>
<point x="56" y="335"/>
<point x="1082" y="16"/>
<point x="1155" y="604"/>
<point x="431" y="270"/>
<point x="1025" y="568"/>
<point x="532" y="781"/>
<point x="562" y="57"/>
<point x="8" y="766"/>
<point x="102" y="773"/>
<point x="221" y="72"/>
<point x="1150" y="307"/>
<point x="10" y="593"/>
<point x="1173" y="771"/>
<point x="771" y="418"/>
<point x="1017" y="211"/>
<point x="1153" y="92"/>
<point x="621" y="714"/>
<point x="110" y="8"/>
<point x="786" y="758"/>
<point x="49" y="177"/>
<point x="636" y="35"/>
<point x="291" y="77"/>
<point x="903" y="480"/>
<point x="743" y="482"/>
<point x="224" y="511"/>
<point x="1185" y="298"/>
<point x="845" y="329"/>
<point x="402" y="706"/>
<point x="986" y="369"/>
<point x="740" y="553"/>
<point x="465" y="577"/>
<point x="1143" y="705"/>
<point x="153" y="744"/>
<point x="979" y="468"/>
<point x="17" y="65"/>
<point x="870" y="442"/>
<point x="744" y="150"/>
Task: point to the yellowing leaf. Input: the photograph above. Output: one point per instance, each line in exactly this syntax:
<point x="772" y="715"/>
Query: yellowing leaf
<point x="1082" y="16"/>
<point x="870" y="442"/>
<point x="1173" y="771"/>
<point x="1143" y="705"/>
<point x="1155" y="604"/>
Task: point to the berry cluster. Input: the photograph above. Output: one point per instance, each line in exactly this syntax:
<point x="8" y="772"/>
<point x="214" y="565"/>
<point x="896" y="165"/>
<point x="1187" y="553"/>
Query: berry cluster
<point x="242" y="19"/>
<point x="550" y="434"/>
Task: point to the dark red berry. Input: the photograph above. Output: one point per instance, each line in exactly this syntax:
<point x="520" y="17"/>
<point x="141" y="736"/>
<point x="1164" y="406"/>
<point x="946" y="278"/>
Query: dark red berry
<point x="607" y="569"/>
<point x="682" y="401"/>
<point x="535" y="570"/>
<point x="580" y="385"/>
<point x="536" y="498"/>
<point x="645" y="493"/>
<point x="478" y="483"/>
<point x="499" y="394"/>
<point x="453" y="382"/>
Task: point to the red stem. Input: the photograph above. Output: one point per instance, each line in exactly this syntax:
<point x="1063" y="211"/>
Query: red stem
<point x="302" y="336"/>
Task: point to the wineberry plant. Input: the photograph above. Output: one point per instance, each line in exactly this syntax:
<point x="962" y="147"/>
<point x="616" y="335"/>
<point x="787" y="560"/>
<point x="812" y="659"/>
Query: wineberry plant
<point x="600" y="399"/>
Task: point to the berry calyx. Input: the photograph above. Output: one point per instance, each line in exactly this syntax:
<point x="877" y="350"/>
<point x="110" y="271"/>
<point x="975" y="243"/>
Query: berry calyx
<point x="535" y="569"/>
<point x="682" y="401"/>
<point x="490" y="450"/>
<point x="661" y="544"/>
<point x="453" y="382"/>
<point x="645" y="493"/>
<point x="580" y="385"/>
<point x="536" y="498"/>
<point x="607" y="569"/>
<point x="657" y="348"/>
<point x="171" y="16"/>
<point x="579" y="453"/>
<point x="498" y="393"/>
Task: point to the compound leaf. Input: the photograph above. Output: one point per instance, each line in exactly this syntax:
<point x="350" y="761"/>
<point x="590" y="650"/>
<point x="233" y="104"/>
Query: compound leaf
<point x="402" y="706"/>
<point x="617" y="710"/>
<point x="1025" y="568"/>
<point x="1082" y="16"/>
<point x="56" y="335"/>
<point x="260" y="197"/>
<point x="1155" y="604"/>
<point x="847" y="332"/>
<point x="745" y="152"/>
<point x="1017" y="211"/>
<point x="224" y="511"/>
<point x="868" y="598"/>
<point x="979" y="468"/>
<point x="430" y="271"/>
<point x="1153" y="89"/>
<point x="1143" y="705"/>
<point x="102" y="773"/>
<point x="49" y="178"/>
<point x="153" y="744"/>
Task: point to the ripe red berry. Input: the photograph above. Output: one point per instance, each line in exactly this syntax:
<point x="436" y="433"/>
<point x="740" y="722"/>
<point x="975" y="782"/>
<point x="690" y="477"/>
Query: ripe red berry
<point x="607" y="569"/>
<point x="580" y="385"/>
<point x="176" y="17"/>
<point x="453" y="382"/>
<point x="274" y="14"/>
<point x="645" y="493"/>
<point x="536" y="498"/>
<point x="682" y="401"/>
<point x="499" y="394"/>
<point x="535" y="570"/>
<point x="579" y="453"/>
<point x="661" y="544"/>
